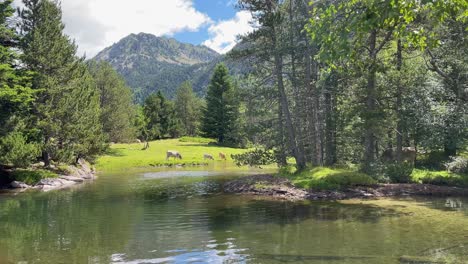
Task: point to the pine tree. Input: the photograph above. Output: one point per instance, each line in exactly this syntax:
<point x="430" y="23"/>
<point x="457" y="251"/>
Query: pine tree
<point x="188" y="109"/>
<point x="67" y="110"/>
<point x="222" y="108"/>
<point x="16" y="97"/>
<point x="160" y="117"/>
<point x="117" y="109"/>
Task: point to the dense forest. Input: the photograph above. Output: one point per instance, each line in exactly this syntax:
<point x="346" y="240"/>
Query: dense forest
<point x="355" y="83"/>
<point x="358" y="82"/>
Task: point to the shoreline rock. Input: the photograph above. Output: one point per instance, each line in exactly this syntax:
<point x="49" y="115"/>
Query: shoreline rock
<point x="282" y="188"/>
<point x="78" y="174"/>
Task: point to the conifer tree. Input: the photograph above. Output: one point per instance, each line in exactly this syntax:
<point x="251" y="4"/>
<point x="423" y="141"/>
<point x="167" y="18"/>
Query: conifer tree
<point x="117" y="109"/>
<point x="222" y="108"/>
<point x="187" y="109"/>
<point x="67" y="110"/>
<point x="16" y="97"/>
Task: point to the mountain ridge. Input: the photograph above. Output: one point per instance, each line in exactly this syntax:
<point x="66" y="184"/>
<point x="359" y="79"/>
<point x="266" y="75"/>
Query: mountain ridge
<point x="149" y="64"/>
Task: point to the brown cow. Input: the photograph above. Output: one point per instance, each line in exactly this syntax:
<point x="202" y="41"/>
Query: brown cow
<point x="174" y="154"/>
<point x="222" y="156"/>
<point x="408" y="154"/>
<point x="208" y="156"/>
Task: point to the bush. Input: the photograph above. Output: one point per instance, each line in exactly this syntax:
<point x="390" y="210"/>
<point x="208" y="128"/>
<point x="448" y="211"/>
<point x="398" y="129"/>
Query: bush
<point x="255" y="158"/>
<point x="32" y="176"/>
<point x="16" y="151"/>
<point x="439" y="178"/>
<point x="434" y="160"/>
<point x="399" y="172"/>
<point x="457" y="165"/>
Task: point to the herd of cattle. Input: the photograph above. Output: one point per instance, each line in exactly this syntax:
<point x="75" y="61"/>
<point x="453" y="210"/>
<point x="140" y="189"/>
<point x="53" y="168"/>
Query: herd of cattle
<point x="176" y="155"/>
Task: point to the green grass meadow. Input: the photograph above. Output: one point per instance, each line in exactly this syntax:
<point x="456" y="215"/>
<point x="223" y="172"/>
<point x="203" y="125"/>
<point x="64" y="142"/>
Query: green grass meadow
<point x="130" y="156"/>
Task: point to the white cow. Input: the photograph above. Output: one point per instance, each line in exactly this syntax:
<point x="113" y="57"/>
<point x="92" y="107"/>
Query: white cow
<point x="208" y="156"/>
<point x="174" y="154"/>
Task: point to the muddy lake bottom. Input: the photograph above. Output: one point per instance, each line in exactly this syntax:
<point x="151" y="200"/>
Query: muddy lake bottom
<point x="183" y="216"/>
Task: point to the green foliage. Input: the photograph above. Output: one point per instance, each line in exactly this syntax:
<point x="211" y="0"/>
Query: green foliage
<point x="323" y="178"/>
<point x="457" y="165"/>
<point x="220" y="117"/>
<point x="160" y="117"/>
<point x="399" y="172"/>
<point x="255" y="158"/>
<point x="17" y="151"/>
<point x="32" y="177"/>
<point x="116" y="103"/>
<point x="440" y="178"/>
<point x="67" y="111"/>
<point x="188" y="109"/>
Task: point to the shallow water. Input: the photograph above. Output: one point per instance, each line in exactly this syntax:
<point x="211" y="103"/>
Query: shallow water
<point x="183" y="217"/>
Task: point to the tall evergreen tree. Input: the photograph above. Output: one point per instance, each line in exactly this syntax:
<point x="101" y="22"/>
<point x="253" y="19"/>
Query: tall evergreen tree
<point x="117" y="109"/>
<point x="67" y="110"/>
<point x="222" y="108"/>
<point x="188" y="109"/>
<point x="160" y="117"/>
<point x="16" y="96"/>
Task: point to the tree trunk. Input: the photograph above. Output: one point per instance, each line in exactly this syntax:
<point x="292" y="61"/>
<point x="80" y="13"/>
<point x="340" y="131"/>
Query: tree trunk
<point x="297" y="97"/>
<point x="282" y="160"/>
<point x="330" y="127"/>
<point x="369" y="134"/>
<point x="399" y="102"/>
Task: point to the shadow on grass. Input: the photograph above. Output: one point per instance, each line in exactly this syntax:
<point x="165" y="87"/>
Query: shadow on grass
<point x="115" y="152"/>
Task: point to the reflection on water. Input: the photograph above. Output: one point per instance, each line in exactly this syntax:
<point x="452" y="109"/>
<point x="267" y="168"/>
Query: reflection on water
<point x="183" y="217"/>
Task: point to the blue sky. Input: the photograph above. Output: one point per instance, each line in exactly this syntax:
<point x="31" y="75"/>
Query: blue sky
<point x="217" y="10"/>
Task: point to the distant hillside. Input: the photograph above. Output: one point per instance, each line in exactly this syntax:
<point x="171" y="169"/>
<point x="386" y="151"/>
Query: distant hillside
<point x="149" y="63"/>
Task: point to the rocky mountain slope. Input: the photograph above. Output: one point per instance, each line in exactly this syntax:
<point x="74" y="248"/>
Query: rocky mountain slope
<point x="149" y="64"/>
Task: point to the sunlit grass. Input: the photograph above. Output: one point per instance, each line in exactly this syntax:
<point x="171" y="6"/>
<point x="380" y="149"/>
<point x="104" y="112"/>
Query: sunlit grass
<point x="439" y="177"/>
<point x="324" y="178"/>
<point x="128" y="156"/>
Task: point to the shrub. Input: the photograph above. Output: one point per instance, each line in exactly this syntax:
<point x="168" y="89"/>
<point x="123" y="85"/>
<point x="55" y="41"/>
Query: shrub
<point x="255" y="158"/>
<point x="16" y="151"/>
<point x="399" y="172"/>
<point x="32" y="176"/>
<point x="439" y="178"/>
<point x="457" y="164"/>
<point x="434" y="160"/>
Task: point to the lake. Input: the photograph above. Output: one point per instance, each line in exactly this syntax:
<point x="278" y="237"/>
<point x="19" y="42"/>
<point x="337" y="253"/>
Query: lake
<point x="184" y="217"/>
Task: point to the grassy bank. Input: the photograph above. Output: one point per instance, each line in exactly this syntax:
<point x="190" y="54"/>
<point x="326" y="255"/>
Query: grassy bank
<point x="325" y="178"/>
<point x="127" y="156"/>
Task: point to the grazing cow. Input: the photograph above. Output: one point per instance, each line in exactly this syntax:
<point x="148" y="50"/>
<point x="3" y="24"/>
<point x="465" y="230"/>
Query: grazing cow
<point x="174" y="154"/>
<point x="208" y="156"/>
<point x="408" y="154"/>
<point x="222" y="156"/>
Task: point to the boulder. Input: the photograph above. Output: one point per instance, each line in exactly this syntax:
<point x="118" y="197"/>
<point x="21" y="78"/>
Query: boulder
<point x="19" y="185"/>
<point x="72" y="178"/>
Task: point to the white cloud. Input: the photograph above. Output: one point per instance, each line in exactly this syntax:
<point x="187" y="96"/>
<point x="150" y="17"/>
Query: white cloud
<point x="96" y="24"/>
<point x="224" y="33"/>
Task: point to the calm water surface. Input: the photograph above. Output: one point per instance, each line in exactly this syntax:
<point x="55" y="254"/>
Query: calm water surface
<point x="183" y="217"/>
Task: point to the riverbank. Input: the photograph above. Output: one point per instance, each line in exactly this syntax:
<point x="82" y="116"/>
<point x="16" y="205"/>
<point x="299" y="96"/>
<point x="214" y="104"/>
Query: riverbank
<point x="22" y="180"/>
<point x="283" y="188"/>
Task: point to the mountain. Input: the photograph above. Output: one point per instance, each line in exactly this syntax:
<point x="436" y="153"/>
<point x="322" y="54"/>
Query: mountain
<point x="149" y="63"/>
